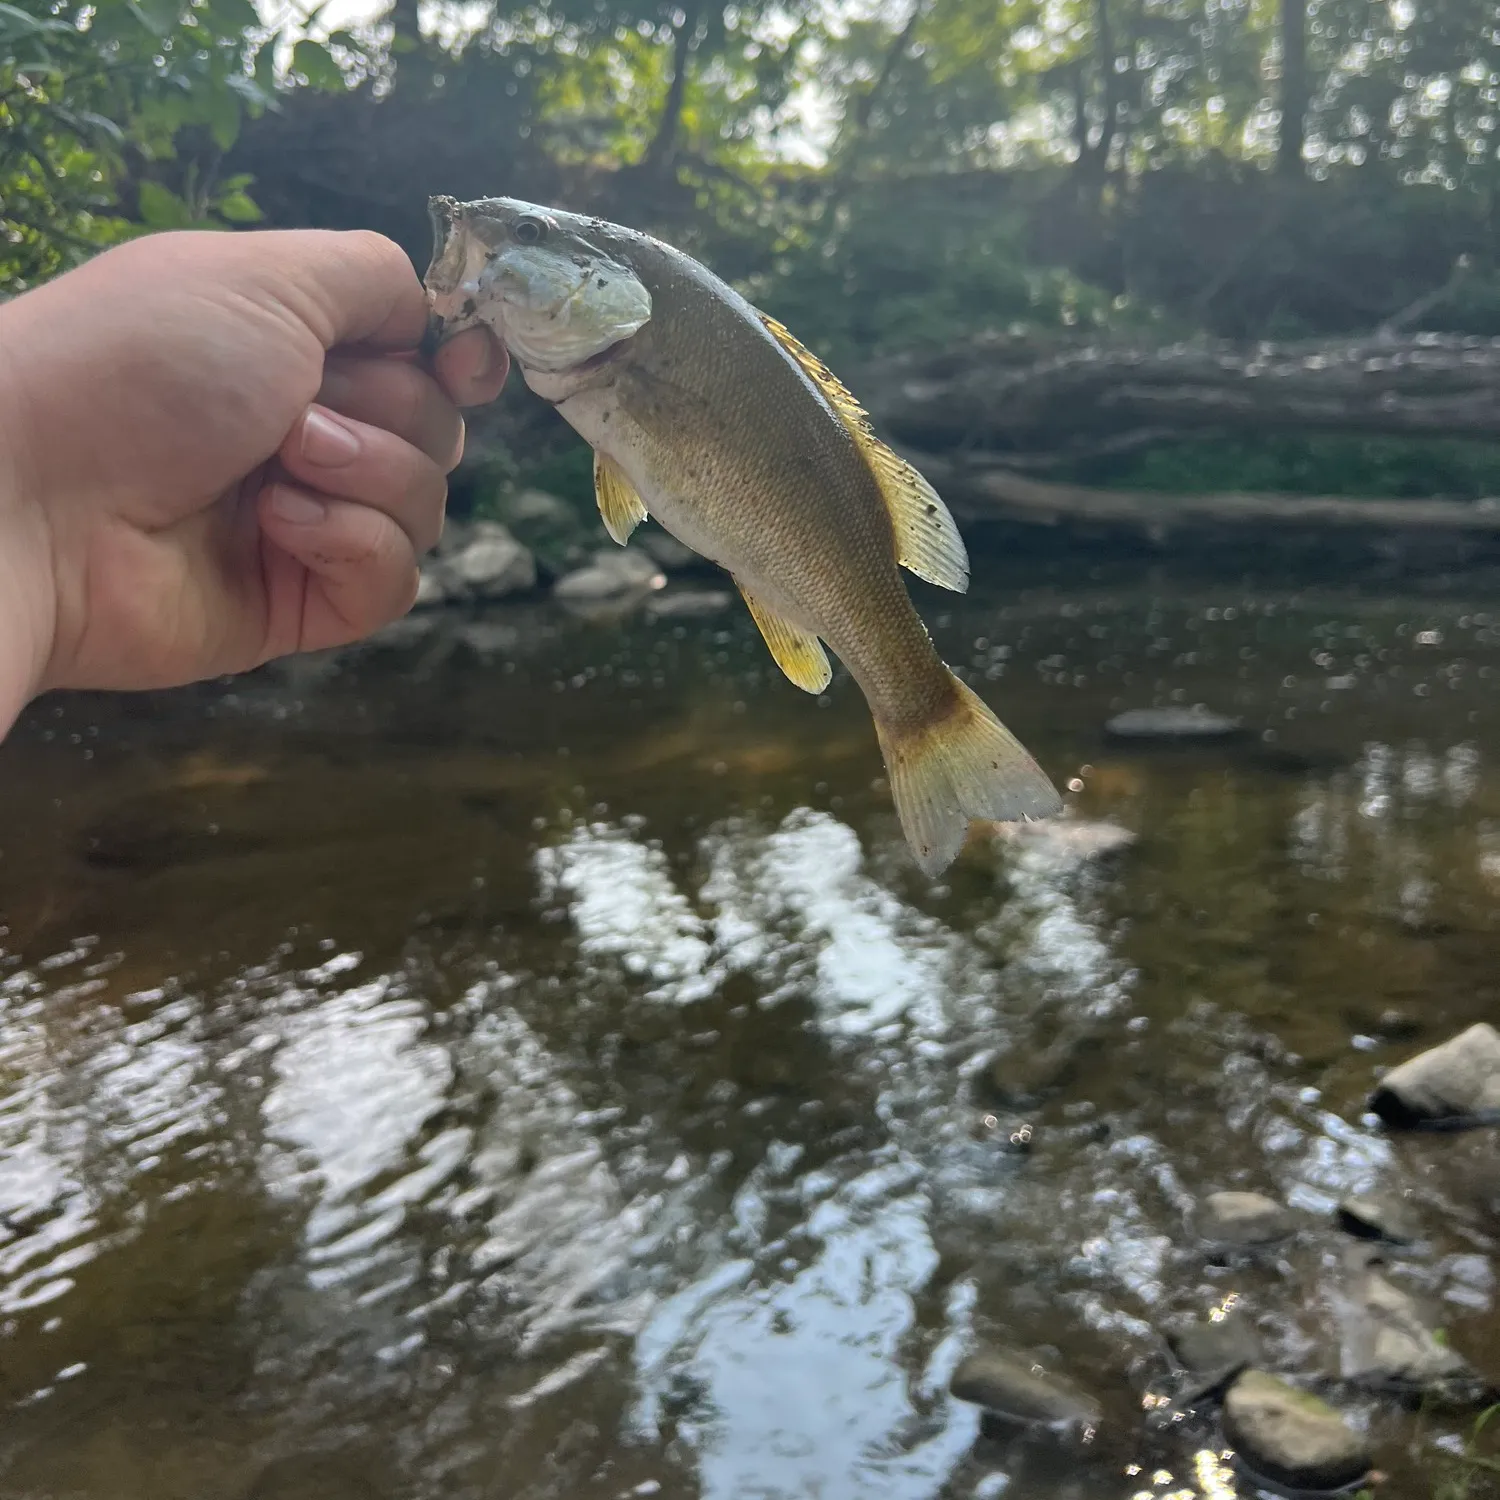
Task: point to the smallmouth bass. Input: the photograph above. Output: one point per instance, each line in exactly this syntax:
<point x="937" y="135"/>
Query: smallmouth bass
<point x="710" y="416"/>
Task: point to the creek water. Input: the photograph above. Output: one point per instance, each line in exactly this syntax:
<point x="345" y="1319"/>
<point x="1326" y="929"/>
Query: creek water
<point x="517" y="1058"/>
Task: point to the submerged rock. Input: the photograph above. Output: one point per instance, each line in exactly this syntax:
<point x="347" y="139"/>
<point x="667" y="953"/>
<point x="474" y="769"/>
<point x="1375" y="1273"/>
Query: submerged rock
<point x="1379" y="1216"/>
<point x="1455" y="1084"/>
<point x="1017" y="1388"/>
<point x="488" y="563"/>
<point x="617" y="576"/>
<point x="1060" y="843"/>
<point x="689" y="604"/>
<point x="1389" y="1345"/>
<point x="436" y="585"/>
<point x="1291" y="1438"/>
<point x="1242" y="1219"/>
<point x="1195" y="723"/>
<point x="1214" y="1344"/>
<point x="667" y="550"/>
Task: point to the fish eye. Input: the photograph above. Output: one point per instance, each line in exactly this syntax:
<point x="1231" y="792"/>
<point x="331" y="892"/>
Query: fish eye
<point x="529" y="231"/>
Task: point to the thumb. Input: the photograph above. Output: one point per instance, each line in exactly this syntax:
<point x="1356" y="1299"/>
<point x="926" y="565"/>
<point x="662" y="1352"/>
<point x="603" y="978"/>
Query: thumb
<point x="351" y="287"/>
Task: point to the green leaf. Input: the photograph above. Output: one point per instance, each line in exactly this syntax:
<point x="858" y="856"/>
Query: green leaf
<point x="316" y="65"/>
<point x="222" y="114"/>
<point x="238" y="207"/>
<point x="231" y="17"/>
<point x="160" y="17"/>
<point x="16" y="22"/>
<point x="161" y="208"/>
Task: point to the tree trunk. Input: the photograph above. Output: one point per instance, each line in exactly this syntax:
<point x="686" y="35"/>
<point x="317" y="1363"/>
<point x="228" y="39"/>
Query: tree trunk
<point x="663" y="145"/>
<point x="1295" y="90"/>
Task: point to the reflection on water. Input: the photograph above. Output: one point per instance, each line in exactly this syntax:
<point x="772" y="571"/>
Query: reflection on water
<point x="523" y="1062"/>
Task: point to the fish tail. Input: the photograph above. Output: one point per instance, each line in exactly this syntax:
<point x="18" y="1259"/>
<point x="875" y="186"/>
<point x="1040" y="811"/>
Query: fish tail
<point x="960" y="765"/>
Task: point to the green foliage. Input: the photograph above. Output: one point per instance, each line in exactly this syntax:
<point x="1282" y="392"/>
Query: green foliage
<point x="1007" y="166"/>
<point x="1372" y="467"/>
<point x="115" y="117"/>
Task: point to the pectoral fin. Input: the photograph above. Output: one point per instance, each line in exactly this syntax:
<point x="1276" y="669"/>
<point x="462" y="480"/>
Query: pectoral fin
<point x="798" y="652"/>
<point x="622" y="509"/>
<point x="927" y="540"/>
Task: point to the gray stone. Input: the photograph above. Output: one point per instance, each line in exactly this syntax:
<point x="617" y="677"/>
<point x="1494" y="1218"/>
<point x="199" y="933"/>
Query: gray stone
<point x="1294" y="1439"/>
<point x="1195" y="723"/>
<point x="1215" y="1344"/>
<point x="492" y="563"/>
<point x="1054" y="846"/>
<point x="1242" y="1219"/>
<point x="667" y="550"/>
<point x="1379" y="1216"/>
<point x="689" y="604"/>
<point x="1013" y="1385"/>
<point x="1455" y="1083"/>
<point x="618" y="575"/>
<point x="1387" y="1343"/>
<point x="436" y="585"/>
<point x="538" y="507"/>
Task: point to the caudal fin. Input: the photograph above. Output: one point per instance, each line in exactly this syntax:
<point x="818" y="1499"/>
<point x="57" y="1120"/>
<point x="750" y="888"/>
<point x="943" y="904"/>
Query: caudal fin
<point x="964" y="765"/>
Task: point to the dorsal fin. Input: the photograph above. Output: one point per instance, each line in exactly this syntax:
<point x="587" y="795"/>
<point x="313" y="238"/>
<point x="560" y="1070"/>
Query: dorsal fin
<point x="798" y="652"/>
<point x="622" y="509"/>
<point x="927" y="540"/>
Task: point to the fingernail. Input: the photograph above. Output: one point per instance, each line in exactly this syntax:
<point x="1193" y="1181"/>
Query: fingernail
<point x="297" y="506"/>
<point x="327" y="443"/>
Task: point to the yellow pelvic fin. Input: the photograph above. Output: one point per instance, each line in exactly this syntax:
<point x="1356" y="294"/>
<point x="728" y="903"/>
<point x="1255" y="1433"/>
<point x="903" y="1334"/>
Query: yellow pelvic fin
<point x="927" y="539"/>
<point x="622" y="509"/>
<point x="798" y="652"/>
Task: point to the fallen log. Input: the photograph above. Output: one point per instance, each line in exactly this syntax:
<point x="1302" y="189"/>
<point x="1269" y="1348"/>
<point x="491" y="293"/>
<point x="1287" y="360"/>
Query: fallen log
<point x="1026" y="407"/>
<point x="984" y="492"/>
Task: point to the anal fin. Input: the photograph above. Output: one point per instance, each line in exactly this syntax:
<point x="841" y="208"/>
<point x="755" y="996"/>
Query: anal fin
<point x="798" y="652"/>
<point x="619" y="505"/>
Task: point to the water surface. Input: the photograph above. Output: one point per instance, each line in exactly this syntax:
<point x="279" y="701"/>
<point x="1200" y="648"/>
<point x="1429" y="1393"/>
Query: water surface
<point x="518" y="1059"/>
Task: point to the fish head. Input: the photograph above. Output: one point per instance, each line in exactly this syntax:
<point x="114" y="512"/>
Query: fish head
<point x="543" y="280"/>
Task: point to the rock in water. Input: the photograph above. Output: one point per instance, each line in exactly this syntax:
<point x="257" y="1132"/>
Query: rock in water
<point x="1209" y="1345"/>
<point x="1242" y="1220"/>
<point x="436" y="585"/>
<point x="1389" y="1345"/>
<point x="1379" y="1216"/>
<point x="1013" y="1386"/>
<point x="612" y="576"/>
<point x="1194" y="723"/>
<point x="1455" y="1084"/>
<point x="689" y="604"/>
<point x="1291" y="1438"/>
<point x="667" y="550"/>
<point x="492" y="563"/>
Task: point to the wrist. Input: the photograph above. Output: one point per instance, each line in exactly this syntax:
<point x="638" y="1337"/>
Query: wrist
<point x="26" y="579"/>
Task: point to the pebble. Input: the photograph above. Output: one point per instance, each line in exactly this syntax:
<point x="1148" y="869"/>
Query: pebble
<point x="618" y="575"/>
<point x="1379" y="1216"/>
<point x="1215" y="1343"/>
<point x="1291" y="1438"/>
<point x="1012" y="1385"/>
<point x="1388" y="1344"/>
<point x="1242" y="1219"/>
<point x="1194" y="723"/>
<point x="1455" y="1084"/>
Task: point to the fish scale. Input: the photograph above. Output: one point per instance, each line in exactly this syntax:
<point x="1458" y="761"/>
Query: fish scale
<point x="712" y="418"/>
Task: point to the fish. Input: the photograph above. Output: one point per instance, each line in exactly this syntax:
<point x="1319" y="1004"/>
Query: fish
<point x="708" y="415"/>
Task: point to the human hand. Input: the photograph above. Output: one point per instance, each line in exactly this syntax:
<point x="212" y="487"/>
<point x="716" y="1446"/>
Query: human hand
<point x="216" y="449"/>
